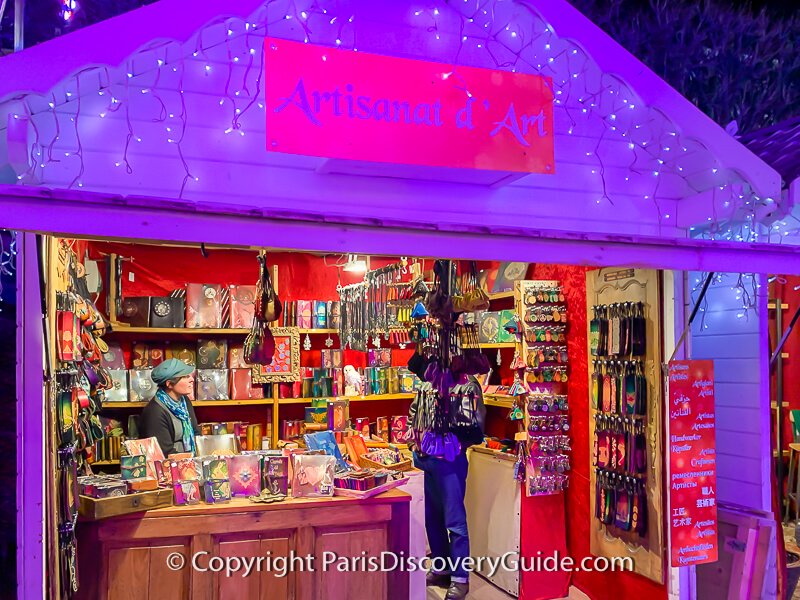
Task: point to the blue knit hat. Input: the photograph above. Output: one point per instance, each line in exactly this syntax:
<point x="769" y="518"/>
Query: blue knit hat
<point x="171" y="369"/>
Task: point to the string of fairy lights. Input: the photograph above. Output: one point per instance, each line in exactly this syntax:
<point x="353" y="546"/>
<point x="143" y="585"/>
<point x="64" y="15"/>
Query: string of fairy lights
<point x="600" y="112"/>
<point x="511" y="37"/>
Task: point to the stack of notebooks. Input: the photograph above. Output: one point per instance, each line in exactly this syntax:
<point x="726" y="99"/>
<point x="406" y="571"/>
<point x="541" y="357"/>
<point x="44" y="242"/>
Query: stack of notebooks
<point x="221" y="372"/>
<point x="311" y="314"/>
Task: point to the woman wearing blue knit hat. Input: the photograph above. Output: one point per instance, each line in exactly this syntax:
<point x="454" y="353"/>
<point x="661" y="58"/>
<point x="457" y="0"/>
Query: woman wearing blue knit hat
<point x="169" y="417"/>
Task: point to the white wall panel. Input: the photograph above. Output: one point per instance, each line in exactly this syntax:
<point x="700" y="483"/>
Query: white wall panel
<point x="738" y="346"/>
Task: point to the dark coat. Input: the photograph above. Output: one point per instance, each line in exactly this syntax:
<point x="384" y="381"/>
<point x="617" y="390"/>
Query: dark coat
<point x="156" y="421"/>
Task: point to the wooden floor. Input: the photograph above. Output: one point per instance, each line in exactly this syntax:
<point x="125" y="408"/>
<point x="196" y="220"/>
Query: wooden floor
<point x="480" y="589"/>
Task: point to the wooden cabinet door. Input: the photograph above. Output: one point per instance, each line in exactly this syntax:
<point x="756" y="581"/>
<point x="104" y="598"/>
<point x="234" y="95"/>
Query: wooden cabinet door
<point x="355" y="581"/>
<point x="141" y="573"/>
<point x="260" y="583"/>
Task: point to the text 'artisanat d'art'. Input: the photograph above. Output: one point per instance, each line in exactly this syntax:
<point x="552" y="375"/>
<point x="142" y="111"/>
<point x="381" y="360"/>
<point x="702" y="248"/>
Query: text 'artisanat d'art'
<point x="360" y="106"/>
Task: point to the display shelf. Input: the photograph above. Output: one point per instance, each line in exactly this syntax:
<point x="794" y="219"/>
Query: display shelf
<point x="500" y="400"/>
<point x="246" y="402"/>
<point x="501" y="295"/>
<point x="196" y="403"/>
<point x="120" y="328"/>
<point x="509" y="456"/>
<point x="495" y="345"/>
<point x="104" y="463"/>
<point x="374" y="397"/>
<point x="320" y="331"/>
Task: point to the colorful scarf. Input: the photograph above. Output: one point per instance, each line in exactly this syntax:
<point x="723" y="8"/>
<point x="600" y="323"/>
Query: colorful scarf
<point x="178" y="408"/>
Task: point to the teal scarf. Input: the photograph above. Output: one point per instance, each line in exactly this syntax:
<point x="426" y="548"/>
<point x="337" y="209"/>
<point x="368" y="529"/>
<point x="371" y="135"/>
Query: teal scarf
<point x="178" y="408"/>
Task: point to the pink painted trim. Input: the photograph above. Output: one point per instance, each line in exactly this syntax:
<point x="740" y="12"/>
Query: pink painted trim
<point x="30" y="422"/>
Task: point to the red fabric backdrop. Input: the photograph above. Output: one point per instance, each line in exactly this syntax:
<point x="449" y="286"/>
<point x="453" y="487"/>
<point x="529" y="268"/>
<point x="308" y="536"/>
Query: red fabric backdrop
<point x="554" y="523"/>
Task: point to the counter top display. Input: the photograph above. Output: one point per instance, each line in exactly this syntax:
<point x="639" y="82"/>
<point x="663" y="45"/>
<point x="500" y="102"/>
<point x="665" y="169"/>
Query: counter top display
<point x="303" y="542"/>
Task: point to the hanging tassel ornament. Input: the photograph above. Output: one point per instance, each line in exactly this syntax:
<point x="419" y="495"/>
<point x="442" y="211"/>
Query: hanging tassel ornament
<point x="328" y="342"/>
<point x="512" y="326"/>
<point x="499" y="358"/>
<point x="517" y="363"/>
<point x="518" y="388"/>
<point x="307" y="343"/>
<point x="419" y="312"/>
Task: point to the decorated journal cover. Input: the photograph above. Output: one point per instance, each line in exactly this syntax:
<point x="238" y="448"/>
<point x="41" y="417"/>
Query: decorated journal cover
<point x="380" y="357"/>
<point x="305" y="317"/>
<point x="150" y="448"/>
<point x="320" y="314"/>
<point x="504" y="335"/>
<point x="187" y="492"/>
<point x="217" y="491"/>
<point x="142" y="387"/>
<point x="113" y="358"/>
<point x="215" y="468"/>
<point x="236" y="357"/>
<point x="133" y="466"/>
<point x="242" y="387"/>
<point x="242" y="306"/>
<point x="212" y="384"/>
<point x="184" y="469"/>
<point x="334" y="314"/>
<point x="245" y="475"/>
<point x="326" y="441"/>
<point x="337" y="415"/>
<point x="212" y="354"/>
<point x="203" y="306"/>
<point x="119" y="386"/>
<point x="140" y="356"/>
<point x="488" y="327"/>
<point x="182" y="351"/>
<point x="312" y="475"/>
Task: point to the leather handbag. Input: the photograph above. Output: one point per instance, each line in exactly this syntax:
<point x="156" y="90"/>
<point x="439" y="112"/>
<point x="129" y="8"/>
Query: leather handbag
<point x="473" y="297"/>
<point x="268" y="305"/>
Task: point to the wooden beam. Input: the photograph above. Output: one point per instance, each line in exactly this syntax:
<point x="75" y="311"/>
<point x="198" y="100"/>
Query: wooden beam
<point x="85" y="214"/>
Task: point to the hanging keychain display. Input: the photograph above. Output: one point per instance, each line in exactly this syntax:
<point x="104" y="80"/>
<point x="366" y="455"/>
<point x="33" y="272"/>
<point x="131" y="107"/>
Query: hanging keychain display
<point x="618" y="393"/>
<point x="543" y="335"/>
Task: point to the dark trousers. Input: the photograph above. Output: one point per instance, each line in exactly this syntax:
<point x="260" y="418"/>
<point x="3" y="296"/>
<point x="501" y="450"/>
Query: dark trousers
<point x="445" y="515"/>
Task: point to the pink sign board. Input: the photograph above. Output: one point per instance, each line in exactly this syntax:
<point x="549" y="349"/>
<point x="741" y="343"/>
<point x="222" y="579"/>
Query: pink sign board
<point x="339" y="103"/>
<point x="693" y="463"/>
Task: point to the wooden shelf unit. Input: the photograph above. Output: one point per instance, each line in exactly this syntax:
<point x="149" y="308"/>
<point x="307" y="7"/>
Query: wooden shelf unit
<point x="502" y="295"/>
<point x="197" y="403"/>
<point x="118" y="328"/>
<point x="495" y="345"/>
<point x="373" y="397"/>
<point x="501" y="400"/>
<point x="123" y="328"/>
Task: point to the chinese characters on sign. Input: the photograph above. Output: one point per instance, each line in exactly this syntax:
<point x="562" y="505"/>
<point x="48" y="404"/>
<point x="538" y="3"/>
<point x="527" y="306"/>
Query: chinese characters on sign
<point x="341" y="103"/>
<point x="693" y="463"/>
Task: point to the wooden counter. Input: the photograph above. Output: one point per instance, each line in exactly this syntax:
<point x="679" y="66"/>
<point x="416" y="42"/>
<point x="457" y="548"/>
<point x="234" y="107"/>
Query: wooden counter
<point x="126" y="556"/>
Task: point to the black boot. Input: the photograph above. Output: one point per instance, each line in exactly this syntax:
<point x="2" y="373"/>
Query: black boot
<point x="457" y="591"/>
<point x="441" y="580"/>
